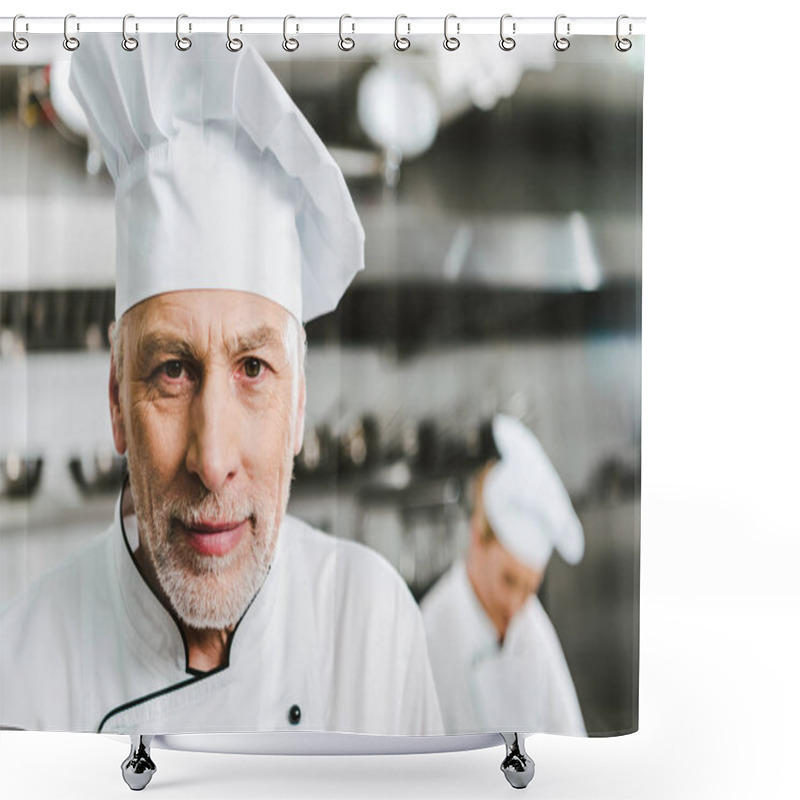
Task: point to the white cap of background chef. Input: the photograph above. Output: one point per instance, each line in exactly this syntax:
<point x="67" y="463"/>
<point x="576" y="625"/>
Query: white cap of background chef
<point x="526" y="503"/>
<point x="221" y="183"/>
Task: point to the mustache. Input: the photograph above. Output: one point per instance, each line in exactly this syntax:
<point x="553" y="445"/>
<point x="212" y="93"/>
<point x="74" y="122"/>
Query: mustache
<point x="211" y="508"/>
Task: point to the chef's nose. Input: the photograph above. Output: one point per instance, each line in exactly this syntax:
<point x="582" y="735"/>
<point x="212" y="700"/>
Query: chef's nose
<point x="213" y="452"/>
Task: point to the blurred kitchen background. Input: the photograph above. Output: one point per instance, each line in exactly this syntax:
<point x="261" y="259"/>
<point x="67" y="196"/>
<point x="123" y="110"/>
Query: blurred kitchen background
<point x="501" y="198"/>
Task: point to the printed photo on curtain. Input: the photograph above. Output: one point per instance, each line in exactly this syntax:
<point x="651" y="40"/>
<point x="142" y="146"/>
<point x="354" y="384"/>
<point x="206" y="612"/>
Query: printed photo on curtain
<point x="320" y="385"/>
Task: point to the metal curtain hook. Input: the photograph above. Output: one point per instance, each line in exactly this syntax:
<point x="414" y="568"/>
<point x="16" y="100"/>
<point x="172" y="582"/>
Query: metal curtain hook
<point x="451" y="42"/>
<point x="128" y="42"/>
<point x="623" y="45"/>
<point x="70" y="42"/>
<point x="181" y="42"/>
<point x="233" y="44"/>
<point x="289" y="45"/>
<point x="401" y="42"/>
<point x="345" y="42"/>
<point x="18" y="43"/>
<point x="507" y="42"/>
<point x="561" y="43"/>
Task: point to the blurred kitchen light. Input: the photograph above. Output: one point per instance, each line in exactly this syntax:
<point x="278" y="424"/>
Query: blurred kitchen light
<point x="457" y="252"/>
<point x="545" y="252"/>
<point x="93" y="337"/>
<point x="391" y="168"/>
<point x="397" y="476"/>
<point x="11" y="343"/>
<point x="495" y="80"/>
<point x="311" y="452"/>
<point x="410" y="440"/>
<point x="13" y="467"/>
<point x="105" y="462"/>
<point x="397" y="109"/>
<point x="20" y="475"/>
<point x="98" y="472"/>
<point x="357" y="163"/>
<point x="586" y="261"/>
<point x="476" y="78"/>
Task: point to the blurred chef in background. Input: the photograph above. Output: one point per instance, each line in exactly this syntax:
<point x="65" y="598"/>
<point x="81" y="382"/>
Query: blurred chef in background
<point x="497" y="662"/>
<point x="234" y="226"/>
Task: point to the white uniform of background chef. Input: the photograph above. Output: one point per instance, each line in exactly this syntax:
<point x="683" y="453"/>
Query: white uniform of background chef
<point x="204" y="607"/>
<point x="496" y="659"/>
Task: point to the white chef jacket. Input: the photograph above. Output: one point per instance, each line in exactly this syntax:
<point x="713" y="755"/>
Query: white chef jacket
<point x="523" y="686"/>
<point x="333" y="641"/>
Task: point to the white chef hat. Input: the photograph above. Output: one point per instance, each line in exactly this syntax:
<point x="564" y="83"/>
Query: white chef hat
<point x="221" y="183"/>
<point x="525" y="501"/>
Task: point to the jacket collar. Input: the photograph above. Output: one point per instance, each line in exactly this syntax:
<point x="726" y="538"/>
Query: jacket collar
<point x="147" y="619"/>
<point x="480" y="631"/>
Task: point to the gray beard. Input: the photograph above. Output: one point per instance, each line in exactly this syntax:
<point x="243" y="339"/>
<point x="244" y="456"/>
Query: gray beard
<point x="202" y="595"/>
<point x="209" y="592"/>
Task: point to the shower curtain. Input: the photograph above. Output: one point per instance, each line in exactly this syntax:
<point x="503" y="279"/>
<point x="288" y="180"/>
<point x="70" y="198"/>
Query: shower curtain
<point x="457" y="549"/>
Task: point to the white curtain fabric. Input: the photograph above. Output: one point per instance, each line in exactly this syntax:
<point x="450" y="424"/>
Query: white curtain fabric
<point x="499" y="192"/>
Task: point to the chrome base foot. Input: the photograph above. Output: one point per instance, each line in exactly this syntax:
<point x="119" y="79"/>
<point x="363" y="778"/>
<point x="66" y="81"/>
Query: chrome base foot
<point x="517" y="766"/>
<point x="138" y="768"/>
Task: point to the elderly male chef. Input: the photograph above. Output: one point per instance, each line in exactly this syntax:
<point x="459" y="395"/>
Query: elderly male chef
<point x="205" y="608"/>
<point x="496" y="659"/>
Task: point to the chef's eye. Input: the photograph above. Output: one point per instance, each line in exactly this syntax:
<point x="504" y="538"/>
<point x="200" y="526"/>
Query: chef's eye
<point x="253" y="367"/>
<point x="173" y="369"/>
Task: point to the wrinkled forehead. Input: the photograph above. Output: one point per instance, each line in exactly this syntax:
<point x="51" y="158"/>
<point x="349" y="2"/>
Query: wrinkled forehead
<point x="210" y="320"/>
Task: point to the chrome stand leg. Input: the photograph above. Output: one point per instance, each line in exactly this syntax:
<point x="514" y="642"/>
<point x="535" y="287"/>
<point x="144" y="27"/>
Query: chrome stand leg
<point x="138" y="768"/>
<point x="518" y="766"/>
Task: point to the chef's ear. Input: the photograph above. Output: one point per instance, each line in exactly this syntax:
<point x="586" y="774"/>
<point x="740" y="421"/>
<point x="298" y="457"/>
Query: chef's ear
<point x="480" y="535"/>
<point x="300" y="417"/>
<point x="475" y="532"/>
<point x="117" y="428"/>
<point x="300" y="400"/>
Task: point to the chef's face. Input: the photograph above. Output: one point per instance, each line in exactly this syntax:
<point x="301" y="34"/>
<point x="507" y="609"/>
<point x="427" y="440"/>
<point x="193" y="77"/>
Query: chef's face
<point x="208" y="404"/>
<point x="503" y="584"/>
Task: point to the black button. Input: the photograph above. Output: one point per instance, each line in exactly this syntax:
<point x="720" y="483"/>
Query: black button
<point x="294" y="714"/>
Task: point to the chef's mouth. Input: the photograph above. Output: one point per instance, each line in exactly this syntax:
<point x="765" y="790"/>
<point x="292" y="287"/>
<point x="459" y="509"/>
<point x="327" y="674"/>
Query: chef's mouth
<point x="213" y="538"/>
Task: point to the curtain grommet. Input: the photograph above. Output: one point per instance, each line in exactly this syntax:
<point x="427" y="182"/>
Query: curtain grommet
<point x="401" y="43"/>
<point x="561" y="43"/>
<point x="289" y="44"/>
<point x="451" y="43"/>
<point x="71" y="43"/>
<point x="129" y="43"/>
<point x="19" y="43"/>
<point x="507" y="43"/>
<point x="183" y="43"/>
<point x="623" y="44"/>
<point x="346" y="43"/>
<point x="234" y="45"/>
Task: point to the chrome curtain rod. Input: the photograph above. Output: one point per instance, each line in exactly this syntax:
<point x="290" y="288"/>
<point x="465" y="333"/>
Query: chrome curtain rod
<point x="297" y="25"/>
